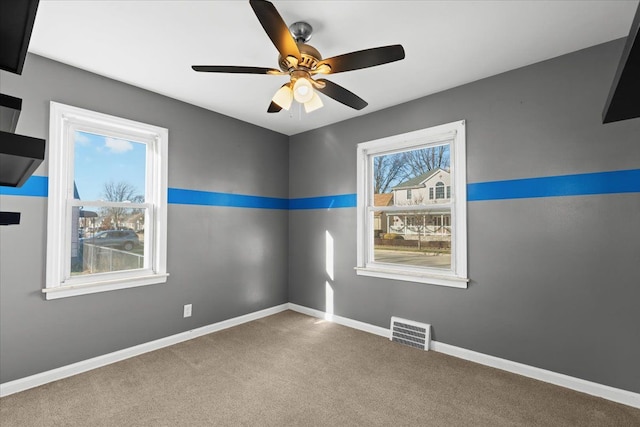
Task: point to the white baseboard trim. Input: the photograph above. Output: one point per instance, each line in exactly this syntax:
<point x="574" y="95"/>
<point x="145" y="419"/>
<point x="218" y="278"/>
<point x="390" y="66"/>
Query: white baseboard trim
<point x="610" y="393"/>
<point x="606" y="392"/>
<point x="42" y="378"/>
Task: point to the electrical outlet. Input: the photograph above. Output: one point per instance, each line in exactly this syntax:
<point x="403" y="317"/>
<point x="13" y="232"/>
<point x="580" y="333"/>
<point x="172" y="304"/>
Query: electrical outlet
<point x="187" y="310"/>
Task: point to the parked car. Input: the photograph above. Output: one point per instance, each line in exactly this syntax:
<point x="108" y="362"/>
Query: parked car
<point x="125" y="239"/>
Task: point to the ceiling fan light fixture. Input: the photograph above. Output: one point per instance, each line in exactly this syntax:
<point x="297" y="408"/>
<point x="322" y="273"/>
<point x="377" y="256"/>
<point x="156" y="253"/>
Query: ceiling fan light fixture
<point x="302" y="90"/>
<point x="292" y="61"/>
<point x="313" y="104"/>
<point x="284" y="97"/>
<point x="322" y="69"/>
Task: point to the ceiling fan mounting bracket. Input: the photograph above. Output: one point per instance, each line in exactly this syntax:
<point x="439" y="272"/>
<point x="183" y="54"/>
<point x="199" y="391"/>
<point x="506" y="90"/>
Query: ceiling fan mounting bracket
<point x="301" y="31"/>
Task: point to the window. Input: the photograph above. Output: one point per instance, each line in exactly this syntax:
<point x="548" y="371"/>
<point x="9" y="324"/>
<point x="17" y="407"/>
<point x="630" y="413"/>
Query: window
<point x="409" y="194"/>
<point x="425" y="240"/>
<point x="107" y="205"/>
<point x="440" y="190"/>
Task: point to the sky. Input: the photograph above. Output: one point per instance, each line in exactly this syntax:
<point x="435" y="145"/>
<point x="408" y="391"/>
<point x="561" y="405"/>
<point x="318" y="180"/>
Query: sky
<point x="99" y="159"/>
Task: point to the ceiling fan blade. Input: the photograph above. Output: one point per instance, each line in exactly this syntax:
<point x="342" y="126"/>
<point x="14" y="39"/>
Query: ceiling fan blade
<point x="235" y="69"/>
<point x="342" y="95"/>
<point x="364" y="58"/>
<point x="275" y="28"/>
<point x="274" y="108"/>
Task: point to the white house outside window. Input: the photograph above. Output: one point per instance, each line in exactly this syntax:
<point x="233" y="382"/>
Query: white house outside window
<point x="419" y="235"/>
<point x="107" y="203"/>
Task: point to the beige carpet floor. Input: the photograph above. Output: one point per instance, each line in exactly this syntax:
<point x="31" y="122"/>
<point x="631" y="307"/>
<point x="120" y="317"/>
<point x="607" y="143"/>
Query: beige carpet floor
<point x="293" y="370"/>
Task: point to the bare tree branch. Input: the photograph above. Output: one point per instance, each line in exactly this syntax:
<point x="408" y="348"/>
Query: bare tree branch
<point x="120" y="192"/>
<point x="388" y="171"/>
<point x="392" y="169"/>
<point x="427" y="159"/>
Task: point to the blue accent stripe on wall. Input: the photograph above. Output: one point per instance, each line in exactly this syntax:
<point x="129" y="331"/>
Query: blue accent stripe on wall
<point x="35" y="186"/>
<point x="208" y="198"/>
<point x="626" y="181"/>
<point x="324" y="202"/>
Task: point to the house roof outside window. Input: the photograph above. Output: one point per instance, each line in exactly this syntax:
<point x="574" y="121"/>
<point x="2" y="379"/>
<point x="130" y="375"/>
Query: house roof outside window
<point x="419" y="180"/>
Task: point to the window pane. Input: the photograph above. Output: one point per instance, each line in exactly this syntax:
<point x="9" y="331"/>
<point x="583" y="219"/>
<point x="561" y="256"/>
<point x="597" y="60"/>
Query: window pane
<point x="109" y="169"/>
<point x="409" y="177"/>
<point x="388" y="171"/>
<point x="97" y="247"/>
<point x="412" y="178"/>
<point x="420" y="239"/>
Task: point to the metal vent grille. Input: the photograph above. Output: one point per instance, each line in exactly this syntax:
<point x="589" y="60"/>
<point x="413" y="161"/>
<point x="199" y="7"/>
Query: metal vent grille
<point x="410" y="333"/>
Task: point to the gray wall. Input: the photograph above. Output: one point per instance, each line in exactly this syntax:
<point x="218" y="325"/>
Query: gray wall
<point x="225" y="261"/>
<point x="554" y="281"/>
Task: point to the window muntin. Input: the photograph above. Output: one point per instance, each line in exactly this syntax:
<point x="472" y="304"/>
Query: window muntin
<point x="107" y="203"/>
<point x="422" y="238"/>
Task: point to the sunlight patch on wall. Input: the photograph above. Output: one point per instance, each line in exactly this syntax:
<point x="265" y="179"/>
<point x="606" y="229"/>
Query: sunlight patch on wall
<point x="328" y="311"/>
<point x="329" y="254"/>
<point x="328" y="290"/>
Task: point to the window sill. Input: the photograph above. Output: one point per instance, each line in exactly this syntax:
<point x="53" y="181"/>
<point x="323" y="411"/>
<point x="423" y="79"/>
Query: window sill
<point x="64" y="291"/>
<point x="411" y="276"/>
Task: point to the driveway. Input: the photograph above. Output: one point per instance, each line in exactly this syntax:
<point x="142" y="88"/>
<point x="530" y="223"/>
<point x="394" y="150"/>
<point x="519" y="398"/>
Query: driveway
<point x="413" y="258"/>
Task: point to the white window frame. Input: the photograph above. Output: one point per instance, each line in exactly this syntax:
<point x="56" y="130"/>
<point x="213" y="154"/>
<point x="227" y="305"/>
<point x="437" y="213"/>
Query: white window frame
<point x="452" y="133"/>
<point x="65" y="120"/>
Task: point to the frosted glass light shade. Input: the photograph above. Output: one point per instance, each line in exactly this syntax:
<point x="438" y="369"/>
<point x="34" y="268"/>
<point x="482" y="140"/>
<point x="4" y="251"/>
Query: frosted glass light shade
<point x="302" y="90"/>
<point x="313" y="104"/>
<point x="283" y="97"/>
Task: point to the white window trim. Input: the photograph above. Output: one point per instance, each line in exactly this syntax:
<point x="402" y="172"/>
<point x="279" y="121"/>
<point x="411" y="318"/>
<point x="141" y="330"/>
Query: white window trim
<point x="64" y="121"/>
<point x="457" y="276"/>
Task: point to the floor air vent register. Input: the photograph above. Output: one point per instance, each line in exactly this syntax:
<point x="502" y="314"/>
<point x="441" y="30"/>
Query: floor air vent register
<point x="408" y="332"/>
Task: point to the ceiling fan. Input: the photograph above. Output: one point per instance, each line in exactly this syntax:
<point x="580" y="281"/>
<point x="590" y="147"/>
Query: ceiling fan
<point x="302" y="62"/>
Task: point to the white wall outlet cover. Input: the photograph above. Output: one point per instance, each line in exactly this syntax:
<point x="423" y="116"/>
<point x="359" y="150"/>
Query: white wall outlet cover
<point x="187" y="310"/>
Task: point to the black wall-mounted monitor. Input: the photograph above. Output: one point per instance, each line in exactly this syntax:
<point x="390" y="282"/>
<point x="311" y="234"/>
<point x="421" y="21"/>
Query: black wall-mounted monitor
<point x="16" y="23"/>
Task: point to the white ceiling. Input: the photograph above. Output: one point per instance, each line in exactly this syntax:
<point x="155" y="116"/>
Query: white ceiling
<point x="152" y="44"/>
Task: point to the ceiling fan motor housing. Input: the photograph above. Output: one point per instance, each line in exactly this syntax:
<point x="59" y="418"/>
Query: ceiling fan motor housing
<point x="309" y="58"/>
